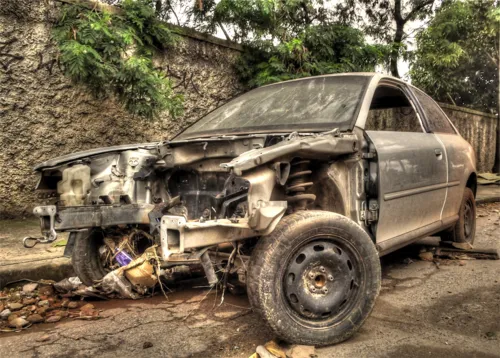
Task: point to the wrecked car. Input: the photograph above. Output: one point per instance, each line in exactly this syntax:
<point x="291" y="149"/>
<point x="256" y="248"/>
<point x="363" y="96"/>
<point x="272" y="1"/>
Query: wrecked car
<point x="292" y="190"/>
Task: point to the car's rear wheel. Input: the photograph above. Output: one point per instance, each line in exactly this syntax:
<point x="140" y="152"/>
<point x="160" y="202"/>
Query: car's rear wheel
<point x="464" y="229"/>
<point x="315" y="278"/>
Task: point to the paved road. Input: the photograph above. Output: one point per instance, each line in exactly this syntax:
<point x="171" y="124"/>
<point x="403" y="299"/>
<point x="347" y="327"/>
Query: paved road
<point x="423" y="311"/>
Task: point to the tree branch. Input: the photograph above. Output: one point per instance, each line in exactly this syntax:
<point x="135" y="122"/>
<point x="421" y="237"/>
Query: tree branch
<point x="417" y="9"/>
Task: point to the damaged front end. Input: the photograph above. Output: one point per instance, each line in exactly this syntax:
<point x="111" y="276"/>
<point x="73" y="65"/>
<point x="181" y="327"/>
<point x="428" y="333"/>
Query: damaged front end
<point x="192" y="202"/>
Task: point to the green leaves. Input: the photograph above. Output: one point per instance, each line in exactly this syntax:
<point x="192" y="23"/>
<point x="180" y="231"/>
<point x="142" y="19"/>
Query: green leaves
<point x="457" y="56"/>
<point x="318" y="50"/>
<point x="112" y="56"/>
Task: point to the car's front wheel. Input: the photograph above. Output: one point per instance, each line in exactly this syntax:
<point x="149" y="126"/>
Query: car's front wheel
<point x="315" y="278"/>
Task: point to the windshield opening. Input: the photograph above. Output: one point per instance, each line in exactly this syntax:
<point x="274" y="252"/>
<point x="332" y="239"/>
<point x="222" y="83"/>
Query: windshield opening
<point x="312" y="104"/>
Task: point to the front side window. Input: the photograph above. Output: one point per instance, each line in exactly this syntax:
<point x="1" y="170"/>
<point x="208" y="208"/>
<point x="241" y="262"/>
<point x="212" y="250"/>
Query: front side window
<point x="437" y="120"/>
<point x="312" y="104"/>
<point x="391" y="110"/>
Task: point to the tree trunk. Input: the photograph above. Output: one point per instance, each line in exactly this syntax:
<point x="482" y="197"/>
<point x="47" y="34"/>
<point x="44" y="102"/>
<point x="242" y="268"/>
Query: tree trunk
<point x="398" y="38"/>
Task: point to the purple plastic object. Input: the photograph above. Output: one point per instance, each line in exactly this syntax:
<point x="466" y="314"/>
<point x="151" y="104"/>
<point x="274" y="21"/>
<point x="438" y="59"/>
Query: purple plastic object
<point x="122" y="257"/>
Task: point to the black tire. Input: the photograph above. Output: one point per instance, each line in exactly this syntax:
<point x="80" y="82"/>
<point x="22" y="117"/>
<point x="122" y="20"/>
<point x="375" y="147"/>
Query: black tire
<point x="85" y="258"/>
<point x="464" y="229"/>
<point x="341" y="248"/>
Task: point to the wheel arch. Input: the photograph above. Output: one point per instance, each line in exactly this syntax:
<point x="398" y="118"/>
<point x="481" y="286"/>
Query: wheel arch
<point x="472" y="183"/>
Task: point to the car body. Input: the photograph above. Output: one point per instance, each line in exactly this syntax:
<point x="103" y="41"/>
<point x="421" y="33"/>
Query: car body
<point x="374" y="150"/>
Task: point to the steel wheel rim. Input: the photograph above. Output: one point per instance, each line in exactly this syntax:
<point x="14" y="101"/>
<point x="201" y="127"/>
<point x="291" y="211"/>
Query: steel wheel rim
<point x="322" y="281"/>
<point x="468" y="219"/>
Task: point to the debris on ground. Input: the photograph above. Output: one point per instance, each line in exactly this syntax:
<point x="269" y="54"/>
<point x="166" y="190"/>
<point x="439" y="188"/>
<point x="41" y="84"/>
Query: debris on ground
<point x="274" y="350"/>
<point x="42" y="302"/>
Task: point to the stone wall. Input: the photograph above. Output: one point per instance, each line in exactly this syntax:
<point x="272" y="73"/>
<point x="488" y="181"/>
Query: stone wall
<point x="42" y="115"/>
<point x="479" y="129"/>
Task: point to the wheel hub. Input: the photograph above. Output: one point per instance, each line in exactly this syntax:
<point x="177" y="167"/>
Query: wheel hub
<point x="320" y="279"/>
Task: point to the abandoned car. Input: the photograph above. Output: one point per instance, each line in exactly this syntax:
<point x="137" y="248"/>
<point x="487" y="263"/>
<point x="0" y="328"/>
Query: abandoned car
<point x="293" y="190"/>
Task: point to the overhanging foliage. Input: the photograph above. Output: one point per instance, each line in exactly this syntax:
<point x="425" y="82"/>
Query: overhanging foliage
<point x="112" y="55"/>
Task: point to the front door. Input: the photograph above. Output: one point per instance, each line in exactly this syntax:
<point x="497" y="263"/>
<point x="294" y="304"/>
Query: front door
<point x="412" y="171"/>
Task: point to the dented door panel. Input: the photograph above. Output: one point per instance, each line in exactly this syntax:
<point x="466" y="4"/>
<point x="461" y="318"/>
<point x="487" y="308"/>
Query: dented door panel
<point x="412" y="181"/>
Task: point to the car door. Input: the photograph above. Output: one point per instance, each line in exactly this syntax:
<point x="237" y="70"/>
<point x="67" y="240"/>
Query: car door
<point x="459" y="154"/>
<point x="411" y="165"/>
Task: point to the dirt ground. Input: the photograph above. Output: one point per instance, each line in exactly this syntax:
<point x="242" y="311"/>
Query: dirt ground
<point x="425" y="309"/>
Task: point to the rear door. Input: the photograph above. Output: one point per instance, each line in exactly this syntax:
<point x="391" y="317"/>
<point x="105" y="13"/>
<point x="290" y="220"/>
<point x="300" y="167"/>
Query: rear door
<point x="412" y="170"/>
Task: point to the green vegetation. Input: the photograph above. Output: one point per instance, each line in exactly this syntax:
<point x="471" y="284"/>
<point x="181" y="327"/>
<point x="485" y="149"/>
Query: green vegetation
<point x="457" y="57"/>
<point x="112" y="55"/>
<point x="289" y="39"/>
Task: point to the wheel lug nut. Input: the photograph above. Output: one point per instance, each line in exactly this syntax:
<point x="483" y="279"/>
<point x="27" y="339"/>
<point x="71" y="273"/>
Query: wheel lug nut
<point x="325" y="290"/>
<point x="312" y="288"/>
<point x="311" y="275"/>
<point x="322" y="269"/>
<point x="330" y="277"/>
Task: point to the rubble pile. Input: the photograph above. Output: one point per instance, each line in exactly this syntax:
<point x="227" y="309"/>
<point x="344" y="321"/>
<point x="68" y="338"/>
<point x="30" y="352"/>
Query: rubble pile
<point x="42" y="302"/>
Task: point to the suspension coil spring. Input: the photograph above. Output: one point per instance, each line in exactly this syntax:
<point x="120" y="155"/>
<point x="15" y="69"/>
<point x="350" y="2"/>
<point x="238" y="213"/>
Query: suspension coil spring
<point x="298" y="182"/>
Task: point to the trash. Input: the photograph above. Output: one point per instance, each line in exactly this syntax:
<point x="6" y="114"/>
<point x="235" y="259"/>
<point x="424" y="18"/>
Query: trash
<point x="60" y="243"/>
<point x="142" y="275"/>
<point x="269" y="350"/>
<point x="68" y="284"/>
<point x="122" y="257"/>
<point x="147" y="345"/>
<point x="30" y="287"/>
<point x="426" y="256"/>
<point x="299" y="351"/>
<point x="116" y="282"/>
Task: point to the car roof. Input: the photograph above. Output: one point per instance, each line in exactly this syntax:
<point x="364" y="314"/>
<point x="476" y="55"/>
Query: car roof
<point x="354" y="74"/>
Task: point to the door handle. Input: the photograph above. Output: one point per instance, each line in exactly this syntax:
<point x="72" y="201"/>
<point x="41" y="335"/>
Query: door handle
<point x="438" y="152"/>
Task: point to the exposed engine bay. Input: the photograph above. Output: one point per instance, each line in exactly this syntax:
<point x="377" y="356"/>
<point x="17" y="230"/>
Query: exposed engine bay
<point x="192" y="202"/>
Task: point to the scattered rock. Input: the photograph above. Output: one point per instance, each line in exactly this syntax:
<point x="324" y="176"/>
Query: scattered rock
<point x="462" y="245"/>
<point x="18" y="323"/>
<point x="35" y="318"/>
<point x="73" y="304"/>
<point x="52" y="319"/>
<point x="88" y="311"/>
<point x="43" y="338"/>
<point x="14" y="306"/>
<point x="46" y="290"/>
<point x="5" y="314"/>
<point x="227" y="314"/>
<point x="41" y="310"/>
<point x="43" y="303"/>
<point x="301" y="352"/>
<point x="426" y="256"/>
<point x="29" y="301"/>
<point x="461" y="263"/>
<point x="147" y="345"/>
<point x="30" y="287"/>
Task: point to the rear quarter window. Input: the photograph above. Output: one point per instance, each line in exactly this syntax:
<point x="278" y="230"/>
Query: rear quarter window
<point x="437" y="120"/>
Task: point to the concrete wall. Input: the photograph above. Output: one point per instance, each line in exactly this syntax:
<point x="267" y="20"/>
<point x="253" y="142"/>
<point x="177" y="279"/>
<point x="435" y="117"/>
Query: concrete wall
<point x="479" y="129"/>
<point x="42" y="115"/>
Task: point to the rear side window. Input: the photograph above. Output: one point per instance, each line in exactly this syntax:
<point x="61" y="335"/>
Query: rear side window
<point x="437" y="120"/>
